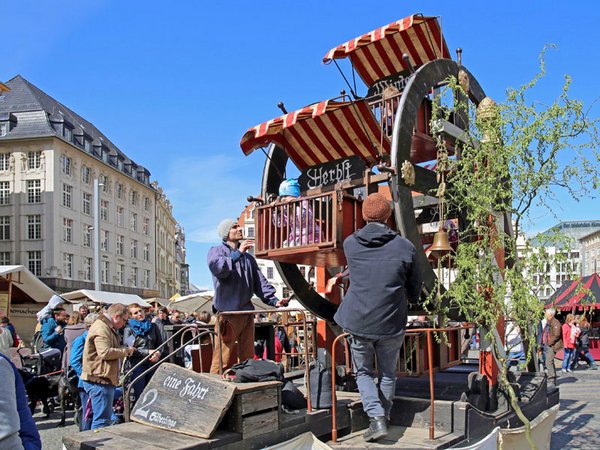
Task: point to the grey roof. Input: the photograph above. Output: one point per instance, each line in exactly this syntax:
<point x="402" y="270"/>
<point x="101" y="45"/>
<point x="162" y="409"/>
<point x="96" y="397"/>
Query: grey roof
<point x="34" y="111"/>
<point x="575" y="229"/>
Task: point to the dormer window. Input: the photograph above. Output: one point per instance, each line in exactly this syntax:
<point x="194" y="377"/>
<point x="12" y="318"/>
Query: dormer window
<point x="3" y="128"/>
<point x="87" y="145"/>
<point x="67" y="133"/>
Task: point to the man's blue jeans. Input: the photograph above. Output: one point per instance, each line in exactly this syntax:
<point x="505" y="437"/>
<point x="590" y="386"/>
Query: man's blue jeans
<point x="377" y="400"/>
<point x="102" y="403"/>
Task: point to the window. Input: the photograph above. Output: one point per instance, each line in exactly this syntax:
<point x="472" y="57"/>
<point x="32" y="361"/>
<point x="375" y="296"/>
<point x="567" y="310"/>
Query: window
<point x="4" y="161"/>
<point x="119" y="188"/>
<point x="269" y="273"/>
<point x="34" y="160"/>
<point x="87" y="269"/>
<point x="34" y="227"/>
<point x="134" y="276"/>
<point x="104" y="272"/>
<point x="87" y="235"/>
<point x="133" y="222"/>
<point x="87" y="145"/>
<point x="133" y="197"/>
<point x="146" y="204"/>
<point x="120" y="216"/>
<point x="103" y="180"/>
<point x="86" y="205"/>
<point x="67" y="133"/>
<point x="104" y="210"/>
<point x="86" y="174"/>
<point x="4" y="228"/>
<point x="5" y="258"/>
<point x="134" y="247"/>
<point x="66" y="164"/>
<point x="146" y="252"/>
<point x="250" y="232"/>
<point x="67" y="265"/>
<point x="146" y="226"/>
<point x="120" y="274"/>
<point x="104" y="241"/>
<point x="68" y="230"/>
<point x="3" y="128"/>
<point x="4" y="192"/>
<point x="34" y="191"/>
<point x="34" y="262"/>
<point x="146" y="279"/>
<point x="67" y="195"/>
<point x="120" y="242"/>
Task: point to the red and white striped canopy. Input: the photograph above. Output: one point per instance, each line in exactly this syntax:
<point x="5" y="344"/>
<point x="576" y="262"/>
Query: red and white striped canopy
<point x="378" y="54"/>
<point x="322" y="132"/>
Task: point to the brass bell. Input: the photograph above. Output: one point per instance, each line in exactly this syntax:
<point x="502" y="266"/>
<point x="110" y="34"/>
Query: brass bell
<point x="441" y="243"/>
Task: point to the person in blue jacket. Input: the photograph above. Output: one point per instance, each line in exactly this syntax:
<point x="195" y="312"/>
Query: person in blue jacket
<point x="236" y="278"/>
<point x="17" y="428"/>
<point x="383" y="273"/>
<point x="76" y="363"/>
<point x="53" y="329"/>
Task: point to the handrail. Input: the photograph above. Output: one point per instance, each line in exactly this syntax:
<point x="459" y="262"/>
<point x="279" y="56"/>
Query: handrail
<point x="333" y="395"/>
<point x="267" y="311"/>
<point x="429" y="332"/>
<point x="157" y="363"/>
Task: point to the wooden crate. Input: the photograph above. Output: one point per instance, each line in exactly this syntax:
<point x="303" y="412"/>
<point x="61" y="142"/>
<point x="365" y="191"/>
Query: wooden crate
<point x="255" y="409"/>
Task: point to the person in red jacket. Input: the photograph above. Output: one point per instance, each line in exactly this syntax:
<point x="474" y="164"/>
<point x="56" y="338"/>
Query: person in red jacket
<point x="570" y="343"/>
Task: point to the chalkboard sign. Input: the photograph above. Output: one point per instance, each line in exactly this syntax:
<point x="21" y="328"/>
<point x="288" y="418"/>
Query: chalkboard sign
<point x="184" y="401"/>
<point x="331" y="173"/>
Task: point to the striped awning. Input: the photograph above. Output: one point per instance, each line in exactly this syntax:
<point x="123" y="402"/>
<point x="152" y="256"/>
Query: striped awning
<point x="322" y="132"/>
<point x="578" y="294"/>
<point x="378" y="54"/>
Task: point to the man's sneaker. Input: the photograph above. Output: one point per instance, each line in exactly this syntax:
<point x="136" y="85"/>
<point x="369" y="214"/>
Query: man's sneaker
<point x="594" y="367"/>
<point x="377" y="429"/>
<point x="569" y="370"/>
<point x="563" y="370"/>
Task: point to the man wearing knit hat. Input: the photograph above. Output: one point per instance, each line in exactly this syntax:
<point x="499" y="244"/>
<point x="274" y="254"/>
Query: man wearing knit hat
<point x="236" y="278"/>
<point x="382" y="273"/>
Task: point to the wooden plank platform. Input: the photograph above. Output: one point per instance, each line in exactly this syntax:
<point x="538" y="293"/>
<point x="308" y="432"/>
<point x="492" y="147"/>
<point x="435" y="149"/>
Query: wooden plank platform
<point x="398" y="438"/>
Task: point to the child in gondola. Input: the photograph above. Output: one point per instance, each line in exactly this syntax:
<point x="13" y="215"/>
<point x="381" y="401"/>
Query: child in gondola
<point x="298" y="219"/>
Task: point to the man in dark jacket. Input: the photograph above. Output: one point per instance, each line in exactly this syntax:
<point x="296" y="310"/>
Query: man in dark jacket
<point x="382" y="273"/>
<point x="552" y="342"/>
<point x="236" y="278"/>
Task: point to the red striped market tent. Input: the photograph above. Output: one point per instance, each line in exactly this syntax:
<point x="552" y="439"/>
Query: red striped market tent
<point x="579" y="294"/>
<point x="322" y="132"/>
<point x="378" y="54"/>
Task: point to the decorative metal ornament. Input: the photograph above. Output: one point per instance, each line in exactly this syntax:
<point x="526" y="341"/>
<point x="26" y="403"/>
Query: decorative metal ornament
<point x="408" y="173"/>
<point x="463" y="80"/>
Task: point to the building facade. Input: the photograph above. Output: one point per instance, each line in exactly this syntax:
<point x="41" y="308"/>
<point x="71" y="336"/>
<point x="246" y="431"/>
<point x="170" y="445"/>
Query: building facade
<point x="590" y="251"/>
<point x="49" y="159"/>
<point x="167" y="269"/>
<point x="552" y="277"/>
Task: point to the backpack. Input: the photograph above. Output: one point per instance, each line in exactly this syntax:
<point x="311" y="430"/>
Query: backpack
<point x="253" y="370"/>
<point x="38" y="343"/>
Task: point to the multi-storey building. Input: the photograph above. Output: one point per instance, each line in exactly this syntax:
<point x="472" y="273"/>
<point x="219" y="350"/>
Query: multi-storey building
<point x="49" y="159"/>
<point x="548" y="280"/>
<point x="590" y="251"/>
<point x="167" y="272"/>
<point x="267" y="266"/>
<point x="182" y="267"/>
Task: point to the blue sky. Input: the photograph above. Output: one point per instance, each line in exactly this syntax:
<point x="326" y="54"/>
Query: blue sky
<point x="176" y="84"/>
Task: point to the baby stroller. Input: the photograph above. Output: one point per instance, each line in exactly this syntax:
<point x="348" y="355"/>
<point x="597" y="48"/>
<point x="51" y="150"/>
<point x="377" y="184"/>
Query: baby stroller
<point x="45" y="362"/>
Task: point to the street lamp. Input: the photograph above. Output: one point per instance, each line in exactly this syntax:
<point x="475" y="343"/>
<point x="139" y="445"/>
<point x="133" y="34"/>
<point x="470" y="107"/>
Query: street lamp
<point x="96" y="228"/>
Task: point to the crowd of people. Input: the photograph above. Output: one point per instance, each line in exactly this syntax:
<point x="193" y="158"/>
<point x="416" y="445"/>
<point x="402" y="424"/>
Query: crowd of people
<point x="573" y="336"/>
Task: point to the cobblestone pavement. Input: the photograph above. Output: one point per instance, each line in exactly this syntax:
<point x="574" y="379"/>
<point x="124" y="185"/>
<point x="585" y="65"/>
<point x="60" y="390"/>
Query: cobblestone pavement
<point x="577" y="425"/>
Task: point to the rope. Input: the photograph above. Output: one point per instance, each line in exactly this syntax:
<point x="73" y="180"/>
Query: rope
<point x="346" y="80"/>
